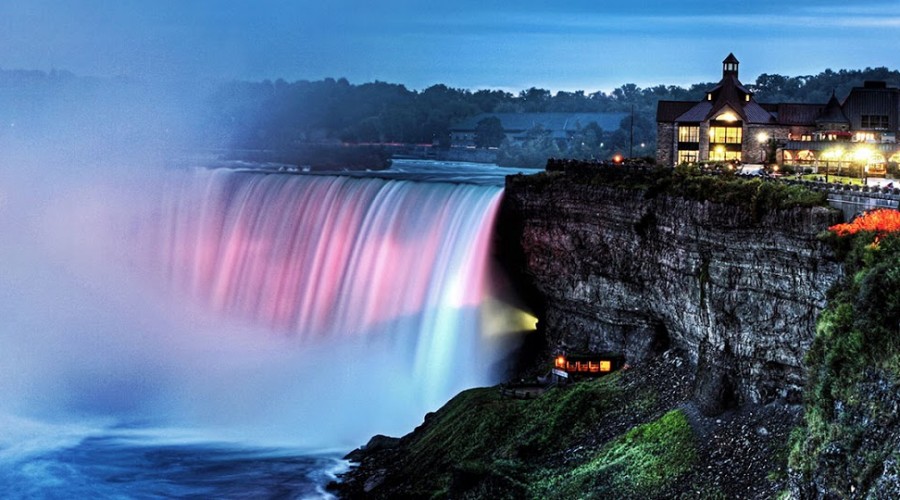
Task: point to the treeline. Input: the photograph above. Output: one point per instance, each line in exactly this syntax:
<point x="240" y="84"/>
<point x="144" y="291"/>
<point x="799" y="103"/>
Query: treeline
<point x="282" y="115"/>
<point x="278" y="114"/>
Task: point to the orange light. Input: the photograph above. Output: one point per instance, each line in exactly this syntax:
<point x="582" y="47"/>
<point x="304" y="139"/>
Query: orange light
<point x="617" y="158"/>
<point x="560" y="362"/>
<point x="880" y="221"/>
<point x="605" y="366"/>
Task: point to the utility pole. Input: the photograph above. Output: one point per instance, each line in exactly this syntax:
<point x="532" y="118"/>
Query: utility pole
<point x="631" y="141"/>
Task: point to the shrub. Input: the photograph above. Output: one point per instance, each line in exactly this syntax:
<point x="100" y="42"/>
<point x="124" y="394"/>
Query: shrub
<point x="857" y="336"/>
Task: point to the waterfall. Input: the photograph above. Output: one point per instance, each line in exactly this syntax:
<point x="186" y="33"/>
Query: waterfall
<point x="275" y="309"/>
<point x="395" y="268"/>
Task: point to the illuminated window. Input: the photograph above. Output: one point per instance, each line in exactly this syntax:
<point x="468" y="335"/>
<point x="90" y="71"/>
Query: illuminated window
<point x="688" y="134"/>
<point x="727" y="116"/>
<point x="720" y="154"/>
<point x="725" y="135"/>
<point x="605" y="366"/>
<point x="687" y="157"/>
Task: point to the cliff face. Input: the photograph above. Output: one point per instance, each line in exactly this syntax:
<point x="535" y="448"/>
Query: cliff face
<point x="619" y="269"/>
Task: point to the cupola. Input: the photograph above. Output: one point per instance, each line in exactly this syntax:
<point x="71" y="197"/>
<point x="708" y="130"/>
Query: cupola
<point x="730" y="66"/>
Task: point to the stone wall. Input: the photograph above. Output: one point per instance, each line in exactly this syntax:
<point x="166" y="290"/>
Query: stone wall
<point x="665" y="144"/>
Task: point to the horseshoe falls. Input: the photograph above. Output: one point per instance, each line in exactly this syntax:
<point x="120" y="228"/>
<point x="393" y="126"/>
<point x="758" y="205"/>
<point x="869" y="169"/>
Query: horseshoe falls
<point x="231" y="332"/>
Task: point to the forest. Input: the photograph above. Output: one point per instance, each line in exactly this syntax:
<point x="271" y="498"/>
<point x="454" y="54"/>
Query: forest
<point x="279" y="114"/>
<point x="282" y="116"/>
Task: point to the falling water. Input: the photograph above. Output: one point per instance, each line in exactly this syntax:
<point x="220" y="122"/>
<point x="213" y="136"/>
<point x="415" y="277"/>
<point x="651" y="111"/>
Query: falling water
<point x="333" y="258"/>
<point x="224" y="319"/>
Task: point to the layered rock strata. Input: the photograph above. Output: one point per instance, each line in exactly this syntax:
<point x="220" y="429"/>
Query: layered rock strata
<point x="623" y="270"/>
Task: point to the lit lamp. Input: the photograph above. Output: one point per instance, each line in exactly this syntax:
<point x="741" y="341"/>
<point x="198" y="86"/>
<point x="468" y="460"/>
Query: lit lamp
<point x="720" y="152"/>
<point x="763" y="138"/>
<point x="863" y="155"/>
<point x="560" y="362"/>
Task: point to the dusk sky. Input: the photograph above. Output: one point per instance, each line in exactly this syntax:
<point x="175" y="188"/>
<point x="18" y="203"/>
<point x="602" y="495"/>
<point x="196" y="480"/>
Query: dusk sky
<point x="572" y="45"/>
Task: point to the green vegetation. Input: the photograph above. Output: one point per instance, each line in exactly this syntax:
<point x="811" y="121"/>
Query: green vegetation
<point x="482" y="444"/>
<point x="282" y="115"/>
<point x="532" y="152"/>
<point x="272" y="114"/>
<point x="854" y="368"/>
<point x="640" y="462"/>
<point x="842" y="179"/>
<point x="489" y="133"/>
<point x="759" y="196"/>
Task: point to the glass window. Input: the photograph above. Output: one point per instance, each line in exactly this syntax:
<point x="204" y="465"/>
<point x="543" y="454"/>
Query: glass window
<point x="726" y="135"/>
<point x="688" y="134"/>
<point x="719" y="154"/>
<point x="687" y="157"/>
<point x="874" y="121"/>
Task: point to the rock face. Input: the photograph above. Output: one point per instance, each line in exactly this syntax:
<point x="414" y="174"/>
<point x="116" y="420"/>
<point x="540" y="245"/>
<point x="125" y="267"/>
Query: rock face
<point x="621" y="270"/>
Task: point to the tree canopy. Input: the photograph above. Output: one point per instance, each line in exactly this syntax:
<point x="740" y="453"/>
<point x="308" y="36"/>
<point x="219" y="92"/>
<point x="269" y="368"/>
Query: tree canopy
<point x="280" y="114"/>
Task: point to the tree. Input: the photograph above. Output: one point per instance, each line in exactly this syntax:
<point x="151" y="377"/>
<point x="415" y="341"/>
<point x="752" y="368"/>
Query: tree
<point x="489" y="132"/>
<point x="533" y="152"/>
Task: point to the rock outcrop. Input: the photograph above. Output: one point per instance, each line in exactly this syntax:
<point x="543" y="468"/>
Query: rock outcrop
<point x="622" y="269"/>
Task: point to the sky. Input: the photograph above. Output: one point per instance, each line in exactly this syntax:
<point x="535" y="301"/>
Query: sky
<point x="573" y="45"/>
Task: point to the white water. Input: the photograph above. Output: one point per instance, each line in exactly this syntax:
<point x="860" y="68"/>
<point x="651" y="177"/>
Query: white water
<point x="220" y="307"/>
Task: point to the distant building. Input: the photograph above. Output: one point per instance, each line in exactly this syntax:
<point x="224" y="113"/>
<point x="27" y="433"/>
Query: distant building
<point x="729" y="124"/>
<point x="561" y="126"/>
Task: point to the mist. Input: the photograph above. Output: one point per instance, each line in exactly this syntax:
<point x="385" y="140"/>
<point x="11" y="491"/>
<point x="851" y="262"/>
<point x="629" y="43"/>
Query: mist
<point x="94" y="338"/>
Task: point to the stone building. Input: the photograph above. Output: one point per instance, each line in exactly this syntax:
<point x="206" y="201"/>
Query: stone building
<point x="730" y="125"/>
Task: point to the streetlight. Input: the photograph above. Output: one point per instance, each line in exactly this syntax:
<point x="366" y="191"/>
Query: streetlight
<point x="863" y="155"/>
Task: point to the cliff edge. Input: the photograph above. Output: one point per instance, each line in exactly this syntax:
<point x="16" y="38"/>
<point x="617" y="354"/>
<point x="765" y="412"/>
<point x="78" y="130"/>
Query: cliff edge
<point x="734" y="285"/>
<point x="763" y="350"/>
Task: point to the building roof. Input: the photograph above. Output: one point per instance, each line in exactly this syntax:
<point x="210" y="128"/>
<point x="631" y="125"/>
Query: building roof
<point x="669" y="111"/>
<point x="697" y="113"/>
<point x="796" y="114"/>
<point x="833" y="112"/>
<point x="558" y="123"/>
<point x="731" y="94"/>
<point x="730" y="59"/>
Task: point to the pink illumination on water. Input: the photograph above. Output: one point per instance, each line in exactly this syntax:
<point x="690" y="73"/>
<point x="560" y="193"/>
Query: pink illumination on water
<point x="327" y="255"/>
<point x="335" y="257"/>
<point x="247" y="306"/>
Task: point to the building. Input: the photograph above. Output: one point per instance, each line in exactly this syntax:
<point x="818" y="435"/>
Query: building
<point x="857" y="136"/>
<point x="730" y="125"/>
<point x="560" y="126"/>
